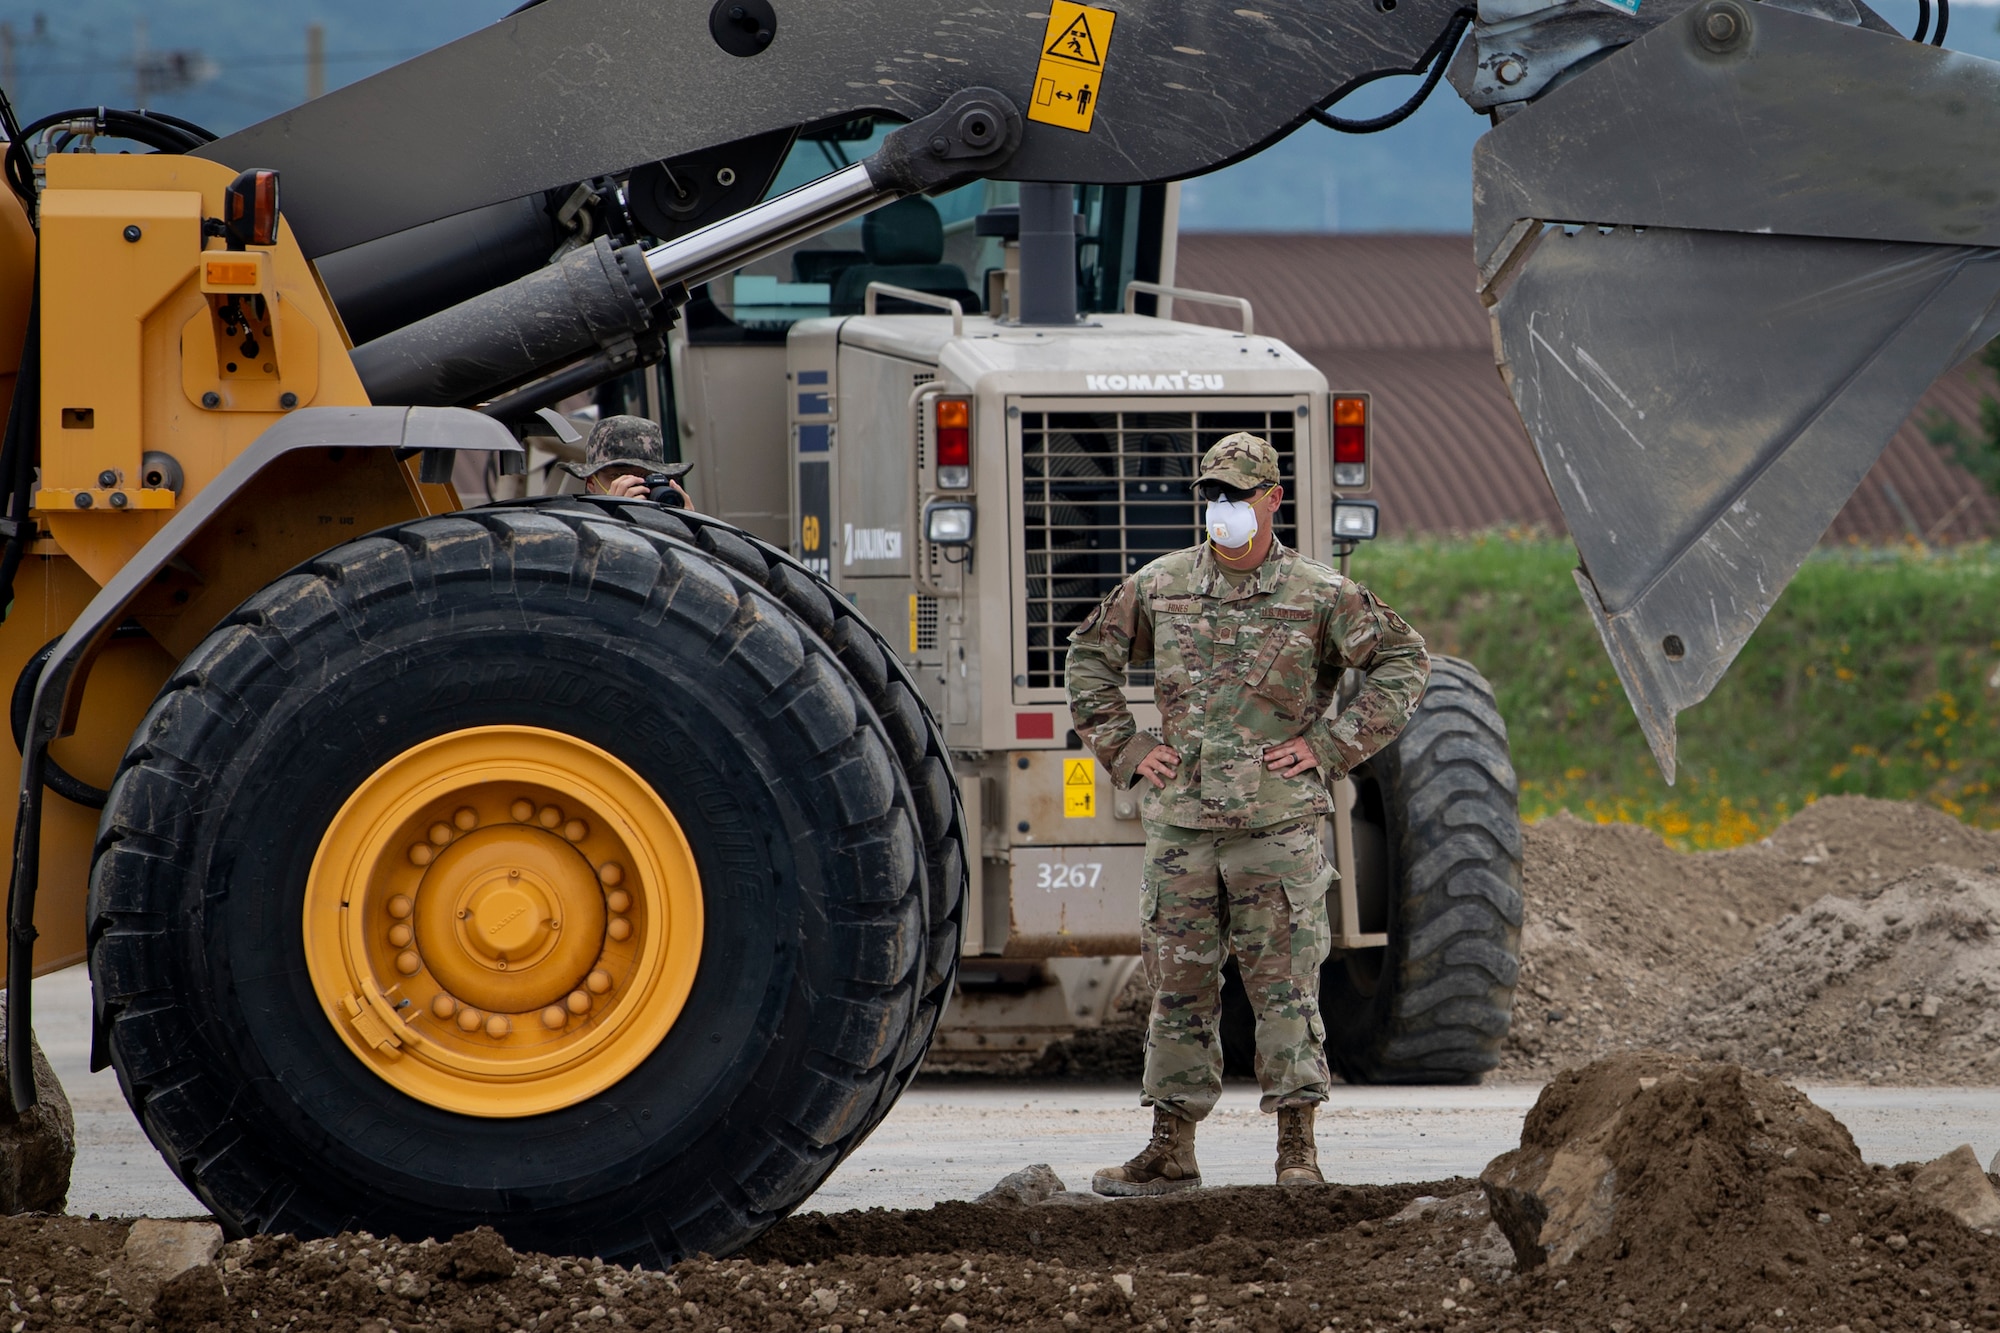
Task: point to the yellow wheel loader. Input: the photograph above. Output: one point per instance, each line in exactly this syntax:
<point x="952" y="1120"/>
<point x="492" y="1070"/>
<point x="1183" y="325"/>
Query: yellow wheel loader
<point x="591" y="869"/>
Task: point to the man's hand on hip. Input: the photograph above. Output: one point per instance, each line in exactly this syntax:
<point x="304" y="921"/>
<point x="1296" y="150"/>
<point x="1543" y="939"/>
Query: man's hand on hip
<point x="1291" y="759"/>
<point x="1160" y="765"/>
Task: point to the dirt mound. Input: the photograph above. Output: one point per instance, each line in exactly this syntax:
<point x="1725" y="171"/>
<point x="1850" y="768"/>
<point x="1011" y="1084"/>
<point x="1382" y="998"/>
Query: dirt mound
<point x="1703" y="1195"/>
<point x="1621" y="930"/>
<point x="1898" y="984"/>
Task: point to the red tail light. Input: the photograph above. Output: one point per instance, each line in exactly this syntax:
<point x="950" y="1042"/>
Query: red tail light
<point x="954" y="442"/>
<point x="1350" y="430"/>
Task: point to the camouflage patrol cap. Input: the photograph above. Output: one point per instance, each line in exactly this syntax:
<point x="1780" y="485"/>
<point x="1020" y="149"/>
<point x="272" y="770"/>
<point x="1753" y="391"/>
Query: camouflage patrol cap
<point x="622" y="441"/>
<point x="1241" y="460"/>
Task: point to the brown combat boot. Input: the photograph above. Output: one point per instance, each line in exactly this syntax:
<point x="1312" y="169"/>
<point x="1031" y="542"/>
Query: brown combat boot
<point x="1165" y="1164"/>
<point x="1298" y="1151"/>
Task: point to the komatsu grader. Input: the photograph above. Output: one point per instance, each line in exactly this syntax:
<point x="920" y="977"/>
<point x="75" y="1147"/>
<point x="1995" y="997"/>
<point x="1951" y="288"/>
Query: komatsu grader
<point x="595" y="870"/>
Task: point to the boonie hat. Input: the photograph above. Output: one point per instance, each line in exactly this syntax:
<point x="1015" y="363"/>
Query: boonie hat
<point x="624" y="441"/>
<point x="1241" y="460"/>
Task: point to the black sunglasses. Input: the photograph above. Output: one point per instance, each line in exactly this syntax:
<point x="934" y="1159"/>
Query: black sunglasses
<point x="1212" y="491"/>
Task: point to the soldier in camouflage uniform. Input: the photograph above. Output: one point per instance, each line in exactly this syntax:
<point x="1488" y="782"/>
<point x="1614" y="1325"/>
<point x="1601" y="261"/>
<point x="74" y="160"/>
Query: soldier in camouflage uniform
<point x="621" y="453"/>
<point x="1248" y="644"/>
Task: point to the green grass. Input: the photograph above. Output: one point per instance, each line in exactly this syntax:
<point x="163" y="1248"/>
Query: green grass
<point x="1877" y="673"/>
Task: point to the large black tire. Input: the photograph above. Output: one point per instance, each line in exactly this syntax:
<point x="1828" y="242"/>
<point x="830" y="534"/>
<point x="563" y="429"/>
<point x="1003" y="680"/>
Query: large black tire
<point x="1442" y="803"/>
<point x="812" y="786"/>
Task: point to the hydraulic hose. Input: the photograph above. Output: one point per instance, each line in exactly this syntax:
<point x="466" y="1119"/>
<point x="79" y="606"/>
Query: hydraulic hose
<point x="1437" y="58"/>
<point x="58" y="779"/>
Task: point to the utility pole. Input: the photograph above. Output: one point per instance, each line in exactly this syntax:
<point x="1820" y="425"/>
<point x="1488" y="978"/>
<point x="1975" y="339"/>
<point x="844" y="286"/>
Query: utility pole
<point x="315" y="60"/>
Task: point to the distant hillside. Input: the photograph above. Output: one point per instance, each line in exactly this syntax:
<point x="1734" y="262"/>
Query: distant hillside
<point x="1415" y="177"/>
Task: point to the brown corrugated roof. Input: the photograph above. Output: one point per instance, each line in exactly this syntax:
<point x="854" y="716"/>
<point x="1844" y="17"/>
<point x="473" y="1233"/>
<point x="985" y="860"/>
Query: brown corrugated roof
<point x="1397" y="316"/>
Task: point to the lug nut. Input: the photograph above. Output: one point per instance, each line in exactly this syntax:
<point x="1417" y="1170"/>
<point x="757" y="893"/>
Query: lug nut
<point x="611" y="874"/>
<point x="618" y="928"/>
<point x="618" y="900"/>
<point x="599" y="981"/>
<point x="467" y="819"/>
<point x="443" y="1005"/>
<point x="522" y="810"/>
<point x="578" y="1002"/>
<point x="400" y="936"/>
<point x="498" y="1026"/>
<point x="554" y="1016"/>
<point x="407" y="962"/>
<point x="422" y="853"/>
<point x="440" y="833"/>
<point x="400" y="907"/>
<point x="576" y="830"/>
<point x="469" y="1019"/>
<point x="550" y="816"/>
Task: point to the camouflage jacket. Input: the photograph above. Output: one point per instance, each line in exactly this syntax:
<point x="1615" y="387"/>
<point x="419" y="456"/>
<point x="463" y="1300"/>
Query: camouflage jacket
<point x="1237" y="669"/>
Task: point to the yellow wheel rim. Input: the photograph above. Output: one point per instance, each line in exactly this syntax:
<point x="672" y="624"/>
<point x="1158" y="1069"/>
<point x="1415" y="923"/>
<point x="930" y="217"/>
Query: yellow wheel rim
<point x="503" y="921"/>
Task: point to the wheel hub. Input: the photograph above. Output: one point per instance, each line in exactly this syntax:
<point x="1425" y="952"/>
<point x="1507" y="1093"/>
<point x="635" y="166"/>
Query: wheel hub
<point x="503" y="921"/>
<point x="510" y="917"/>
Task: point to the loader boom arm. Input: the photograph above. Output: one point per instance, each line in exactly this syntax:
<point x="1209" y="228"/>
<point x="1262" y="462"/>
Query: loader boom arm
<point x="1725" y="245"/>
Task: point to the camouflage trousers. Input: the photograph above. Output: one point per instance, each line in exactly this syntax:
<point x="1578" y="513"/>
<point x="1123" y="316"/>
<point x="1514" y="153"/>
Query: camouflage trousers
<point x="1260" y="894"/>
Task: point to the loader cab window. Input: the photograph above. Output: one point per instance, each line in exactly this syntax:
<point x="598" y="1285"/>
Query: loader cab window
<point x="928" y="244"/>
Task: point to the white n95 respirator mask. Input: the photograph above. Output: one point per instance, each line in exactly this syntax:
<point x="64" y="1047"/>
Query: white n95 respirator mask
<point x="1231" y="523"/>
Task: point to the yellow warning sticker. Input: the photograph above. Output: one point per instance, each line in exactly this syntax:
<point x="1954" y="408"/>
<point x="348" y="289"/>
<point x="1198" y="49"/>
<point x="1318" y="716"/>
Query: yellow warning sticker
<point x="1072" y="66"/>
<point x="1079" y="788"/>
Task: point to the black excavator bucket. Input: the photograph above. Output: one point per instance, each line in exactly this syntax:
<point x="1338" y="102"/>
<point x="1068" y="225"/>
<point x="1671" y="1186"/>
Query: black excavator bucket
<point x="1723" y="263"/>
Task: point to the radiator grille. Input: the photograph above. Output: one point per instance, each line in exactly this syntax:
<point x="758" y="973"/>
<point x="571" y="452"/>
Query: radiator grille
<point x="1104" y="493"/>
<point x="923" y="623"/>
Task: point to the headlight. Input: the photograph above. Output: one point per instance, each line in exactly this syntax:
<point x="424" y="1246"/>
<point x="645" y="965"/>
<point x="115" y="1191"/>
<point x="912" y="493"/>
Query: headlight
<point x="1355" y="520"/>
<point x="947" y="523"/>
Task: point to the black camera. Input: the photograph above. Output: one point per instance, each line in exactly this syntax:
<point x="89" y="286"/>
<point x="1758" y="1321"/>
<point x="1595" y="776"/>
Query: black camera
<point x="660" y="489"/>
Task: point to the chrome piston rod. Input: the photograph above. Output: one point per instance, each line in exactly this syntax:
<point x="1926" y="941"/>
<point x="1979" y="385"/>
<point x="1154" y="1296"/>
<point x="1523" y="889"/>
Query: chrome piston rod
<point x="766" y="228"/>
<point x="583" y="312"/>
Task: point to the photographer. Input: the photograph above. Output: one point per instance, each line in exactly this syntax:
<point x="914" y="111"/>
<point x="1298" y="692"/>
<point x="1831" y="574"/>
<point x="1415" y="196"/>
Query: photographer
<point x="620" y="456"/>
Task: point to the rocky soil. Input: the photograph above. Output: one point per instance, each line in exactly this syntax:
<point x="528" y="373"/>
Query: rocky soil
<point x="1649" y="1192"/>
